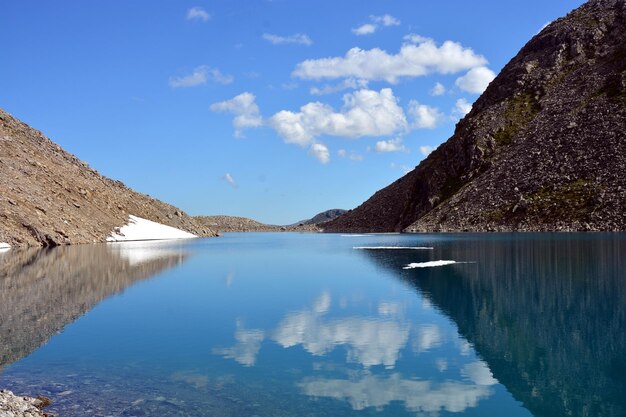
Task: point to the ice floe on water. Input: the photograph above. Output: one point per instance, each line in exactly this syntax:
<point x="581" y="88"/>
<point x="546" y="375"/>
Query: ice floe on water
<point x="354" y="235"/>
<point x="432" y="264"/>
<point x="393" y="247"/>
<point x="142" y="229"/>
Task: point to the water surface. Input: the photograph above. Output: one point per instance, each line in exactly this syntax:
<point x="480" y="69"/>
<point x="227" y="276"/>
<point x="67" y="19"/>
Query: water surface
<point x="306" y="325"/>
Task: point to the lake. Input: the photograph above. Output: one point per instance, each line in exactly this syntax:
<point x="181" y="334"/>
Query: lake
<point x="283" y="324"/>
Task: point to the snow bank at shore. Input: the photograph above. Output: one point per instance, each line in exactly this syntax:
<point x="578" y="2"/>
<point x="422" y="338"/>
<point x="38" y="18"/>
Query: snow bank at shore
<point x="142" y="229"/>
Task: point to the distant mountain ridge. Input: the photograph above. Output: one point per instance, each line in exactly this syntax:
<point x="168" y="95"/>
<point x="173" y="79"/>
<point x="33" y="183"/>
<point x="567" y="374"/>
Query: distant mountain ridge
<point x="323" y="216"/>
<point x="244" y="224"/>
<point x="543" y="148"/>
<point x="48" y="197"/>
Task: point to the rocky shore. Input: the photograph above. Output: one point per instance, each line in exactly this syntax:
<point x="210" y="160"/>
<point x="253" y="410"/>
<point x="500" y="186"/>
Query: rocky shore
<point x="13" y="406"/>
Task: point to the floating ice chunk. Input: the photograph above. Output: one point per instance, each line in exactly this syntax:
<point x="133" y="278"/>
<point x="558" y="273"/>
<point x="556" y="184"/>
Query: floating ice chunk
<point x="432" y="264"/>
<point x="394" y="247"/>
<point x="142" y="229"/>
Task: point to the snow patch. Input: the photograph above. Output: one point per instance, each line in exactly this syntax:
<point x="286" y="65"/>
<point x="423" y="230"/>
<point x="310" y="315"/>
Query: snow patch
<point x="394" y="247"/>
<point x="4" y="247"/>
<point x="142" y="229"/>
<point x="432" y="264"/>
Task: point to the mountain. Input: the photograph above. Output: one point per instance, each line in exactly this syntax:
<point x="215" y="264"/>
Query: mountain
<point x="543" y="148"/>
<point x="48" y="197"/>
<point x="323" y="216"/>
<point x="244" y="224"/>
<point x="235" y="224"/>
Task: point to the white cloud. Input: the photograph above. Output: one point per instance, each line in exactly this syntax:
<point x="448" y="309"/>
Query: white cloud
<point x="230" y="180"/>
<point x="353" y="156"/>
<point x="392" y="145"/>
<point x="349" y="83"/>
<point x="415" y="38"/>
<point x="364" y="113"/>
<point x="404" y="168"/>
<point x="246" y="111"/>
<point x="461" y="108"/>
<point x="426" y="150"/>
<point x="369" y="28"/>
<point x="298" y="39"/>
<point x="200" y="76"/>
<point x="425" y="117"/>
<point x="320" y="152"/>
<point x="366" y="29"/>
<point x="289" y="86"/>
<point x="417" y="396"/>
<point x="438" y="90"/>
<point x="198" y="13"/>
<point x="476" y="80"/>
<point x="413" y="60"/>
<point x="386" y="20"/>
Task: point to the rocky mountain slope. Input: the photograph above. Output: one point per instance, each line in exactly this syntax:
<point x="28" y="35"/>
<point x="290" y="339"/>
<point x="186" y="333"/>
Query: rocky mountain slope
<point x="323" y="216"/>
<point x="544" y="147"/>
<point x="243" y="224"/>
<point x="49" y="197"/>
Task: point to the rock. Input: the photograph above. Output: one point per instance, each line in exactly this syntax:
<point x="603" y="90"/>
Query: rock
<point x="39" y="178"/>
<point x="550" y="128"/>
<point x="14" y="406"/>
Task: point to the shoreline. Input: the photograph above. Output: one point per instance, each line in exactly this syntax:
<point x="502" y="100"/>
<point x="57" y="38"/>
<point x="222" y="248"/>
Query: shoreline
<point x="22" y="406"/>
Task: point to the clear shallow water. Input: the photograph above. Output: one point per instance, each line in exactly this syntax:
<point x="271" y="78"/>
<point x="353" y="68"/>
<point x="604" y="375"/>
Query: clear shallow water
<point x="303" y="324"/>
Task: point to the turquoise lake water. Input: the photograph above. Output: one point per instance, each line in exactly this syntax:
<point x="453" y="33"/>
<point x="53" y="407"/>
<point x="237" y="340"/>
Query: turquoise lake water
<point x="282" y="324"/>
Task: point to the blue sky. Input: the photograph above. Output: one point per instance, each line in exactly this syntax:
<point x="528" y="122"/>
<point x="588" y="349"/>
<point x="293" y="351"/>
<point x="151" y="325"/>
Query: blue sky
<point x="273" y="110"/>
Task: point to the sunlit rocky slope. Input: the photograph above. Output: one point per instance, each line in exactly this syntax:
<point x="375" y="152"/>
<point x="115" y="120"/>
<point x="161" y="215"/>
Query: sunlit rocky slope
<point x="49" y="197"/>
<point x="544" y="147"/>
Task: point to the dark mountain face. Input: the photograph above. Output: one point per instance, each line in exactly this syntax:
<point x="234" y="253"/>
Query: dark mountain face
<point x="324" y="216"/>
<point x="544" y="147"/>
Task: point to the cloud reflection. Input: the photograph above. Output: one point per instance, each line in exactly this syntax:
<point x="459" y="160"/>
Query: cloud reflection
<point x="369" y="341"/>
<point x="247" y="347"/>
<point x="417" y="396"/>
<point x="428" y="336"/>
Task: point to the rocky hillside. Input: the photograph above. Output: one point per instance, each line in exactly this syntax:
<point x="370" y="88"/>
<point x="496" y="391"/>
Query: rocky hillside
<point x="323" y="216"/>
<point x="544" y="147"/>
<point x="243" y="224"/>
<point x="49" y="197"/>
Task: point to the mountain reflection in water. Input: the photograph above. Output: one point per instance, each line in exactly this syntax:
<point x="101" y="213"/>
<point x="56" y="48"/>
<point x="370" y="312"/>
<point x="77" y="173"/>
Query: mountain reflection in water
<point x="43" y="290"/>
<point x="303" y="324"/>
<point x="546" y="312"/>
